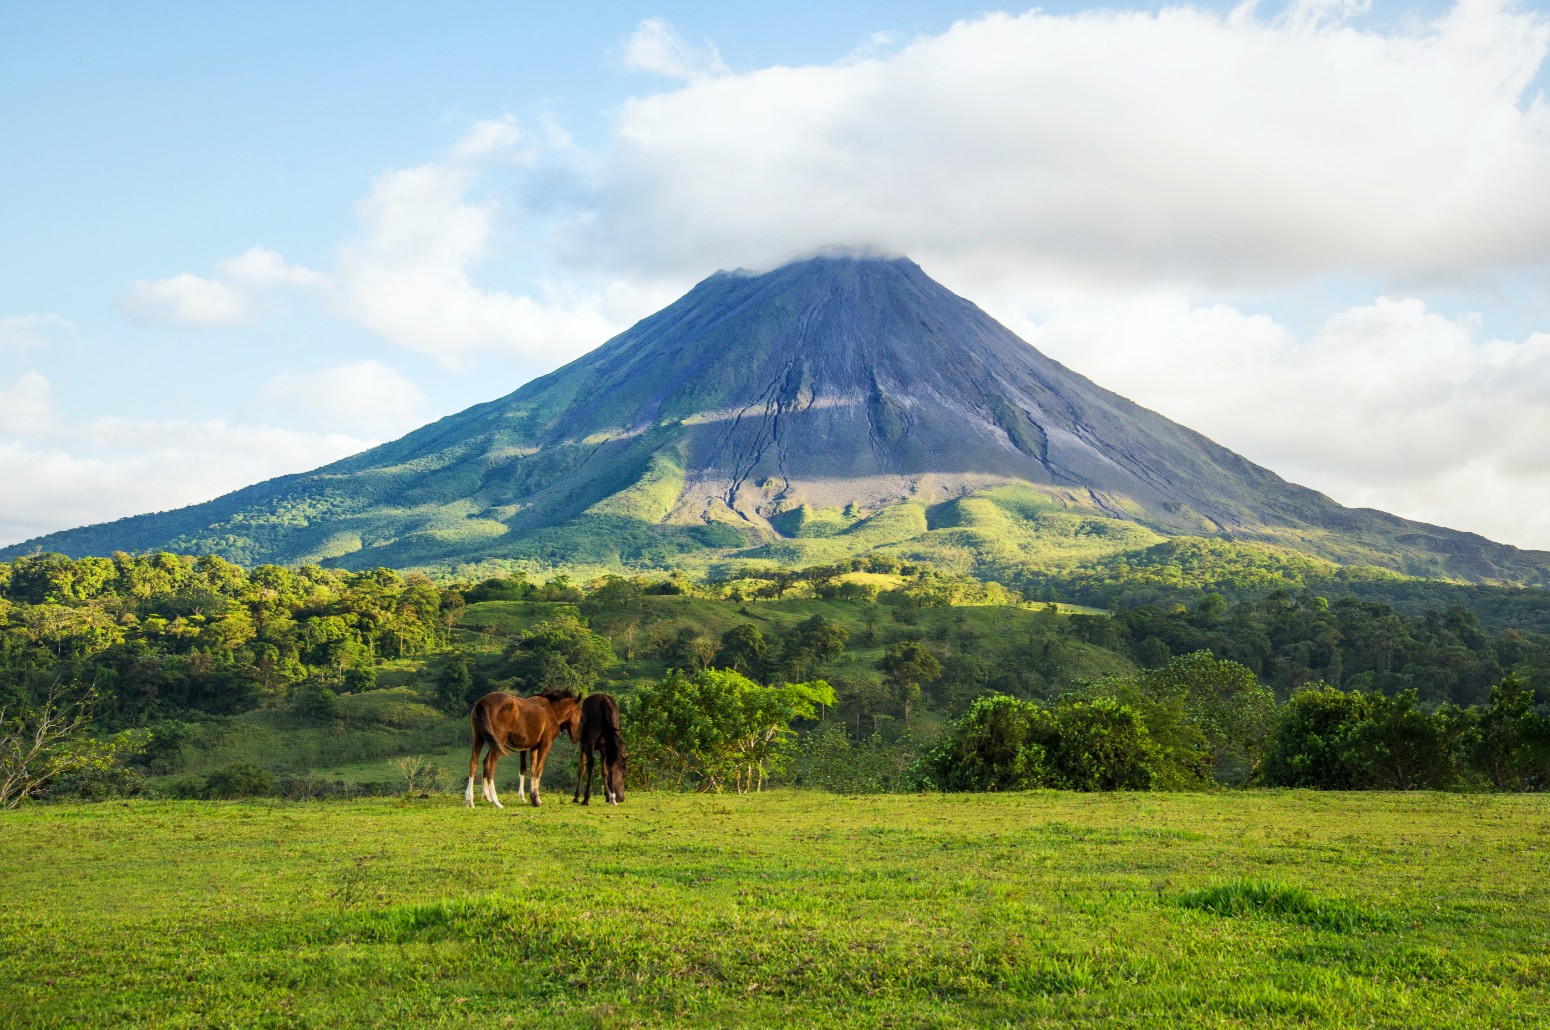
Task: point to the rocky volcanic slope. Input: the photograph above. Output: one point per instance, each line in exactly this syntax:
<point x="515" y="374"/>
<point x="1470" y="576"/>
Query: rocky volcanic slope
<point x="848" y="400"/>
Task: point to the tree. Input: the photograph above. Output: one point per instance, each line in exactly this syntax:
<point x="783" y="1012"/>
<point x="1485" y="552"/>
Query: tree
<point x="998" y="744"/>
<point x="1102" y="744"/>
<point x="743" y="649"/>
<point x="40" y="744"/>
<point x="716" y="727"/>
<point x="559" y="653"/>
<point x="688" y="649"/>
<point x="1226" y="701"/>
<point x="906" y="665"/>
<point x="1513" y="747"/>
<point x="1307" y="746"/>
<point x="810" y="644"/>
<point x="453" y="685"/>
<point x="1003" y="743"/>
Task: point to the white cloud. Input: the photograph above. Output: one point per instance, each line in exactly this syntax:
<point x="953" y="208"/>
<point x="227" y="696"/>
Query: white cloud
<point x="1388" y="405"/>
<point x="27" y="406"/>
<point x="26" y="332"/>
<point x="121" y="467"/>
<point x="409" y="277"/>
<point x="363" y="396"/>
<point x="657" y="48"/>
<point x="1124" y="148"/>
<point x="226" y="299"/>
<point x="189" y="299"/>
<point x="260" y="266"/>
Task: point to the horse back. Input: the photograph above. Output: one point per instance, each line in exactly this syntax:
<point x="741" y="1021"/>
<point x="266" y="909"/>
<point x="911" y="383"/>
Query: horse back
<point x="600" y="723"/>
<point x="512" y="723"/>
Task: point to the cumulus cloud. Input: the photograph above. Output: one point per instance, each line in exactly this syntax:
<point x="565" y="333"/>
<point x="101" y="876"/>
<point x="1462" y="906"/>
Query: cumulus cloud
<point x="657" y="48"/>
<point x="26" y="332"/>
<point x="189" y="299"/>
<point x="1182" y="146"/>
<point x="260" y="266"/>
<point x="119" y="467"/>
<point x="1387" y="405"/>
<point x="27" y="406"/>
<point x="362" y="396"/>
<point x="409" y="277"/>
<point x="225" y="299"/>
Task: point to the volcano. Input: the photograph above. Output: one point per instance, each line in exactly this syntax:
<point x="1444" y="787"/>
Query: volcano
<point x="831" y="406"/>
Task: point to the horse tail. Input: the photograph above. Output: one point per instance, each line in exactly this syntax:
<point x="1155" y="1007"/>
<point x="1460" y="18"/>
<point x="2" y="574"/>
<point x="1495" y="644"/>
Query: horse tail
<point x="482" y="730"/>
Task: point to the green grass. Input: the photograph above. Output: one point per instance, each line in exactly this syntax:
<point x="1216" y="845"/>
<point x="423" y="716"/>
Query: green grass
<point x="1263" y="909"/>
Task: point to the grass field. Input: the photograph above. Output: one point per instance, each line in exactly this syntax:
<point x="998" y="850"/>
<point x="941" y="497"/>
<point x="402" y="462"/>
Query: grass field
<point x="1230" y="909"/>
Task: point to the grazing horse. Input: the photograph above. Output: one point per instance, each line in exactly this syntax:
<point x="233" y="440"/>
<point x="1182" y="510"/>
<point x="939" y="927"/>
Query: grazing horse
<point x="600" y="732"/>
<point x="504" y="724"/>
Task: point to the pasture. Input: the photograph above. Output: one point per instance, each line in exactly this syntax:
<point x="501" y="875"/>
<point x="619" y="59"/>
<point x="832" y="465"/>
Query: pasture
<point x="1259" y="909"/>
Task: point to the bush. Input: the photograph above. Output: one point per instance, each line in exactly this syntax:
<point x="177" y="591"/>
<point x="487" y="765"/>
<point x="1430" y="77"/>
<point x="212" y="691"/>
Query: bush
<point x="1337" y="740"/>
<point x="1000" y="743"/>
<point x="240" y="780"/>
<point x="716" y="728"/>
<point x="1003" y="743"/>
<point x="315" y="703"/>
<point x="828" y="759"/>
<point x="1102" y="744"/>
<point x="99" y="783"/>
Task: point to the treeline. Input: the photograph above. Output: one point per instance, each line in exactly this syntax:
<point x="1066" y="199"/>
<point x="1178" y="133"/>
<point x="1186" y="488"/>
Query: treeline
<point x="1183" y="571"/>
<point x="161" y="636"/>
<point x="893" y="652"/>
<point x="1200" y="721"/>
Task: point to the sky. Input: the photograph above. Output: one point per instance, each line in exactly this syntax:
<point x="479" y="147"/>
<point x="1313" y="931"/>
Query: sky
<point x="241" y="240"/>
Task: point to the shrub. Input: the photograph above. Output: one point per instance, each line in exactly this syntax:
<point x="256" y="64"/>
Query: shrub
<point x="1337" y="740"/>
<point x="1003" y="743"/>
<point x="1000" y="743"/>
<point x="240" y="780"/>
<point x="1101" y="744"/>
<point x="716" y="727"/>
<point x="828" y="759"/>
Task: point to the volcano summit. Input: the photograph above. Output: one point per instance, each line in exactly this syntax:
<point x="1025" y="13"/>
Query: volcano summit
<point x="831" y="406"/>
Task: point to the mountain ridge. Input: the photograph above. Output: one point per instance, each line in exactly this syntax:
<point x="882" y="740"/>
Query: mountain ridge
<point x="797" y="404"/>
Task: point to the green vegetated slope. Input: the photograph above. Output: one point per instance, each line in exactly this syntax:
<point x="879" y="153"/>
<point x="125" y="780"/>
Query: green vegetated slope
<point x="360" y="739"/>
<point x="310" y="676"/>
<point x="790" y="908"/>
<point x="829" y="408"/>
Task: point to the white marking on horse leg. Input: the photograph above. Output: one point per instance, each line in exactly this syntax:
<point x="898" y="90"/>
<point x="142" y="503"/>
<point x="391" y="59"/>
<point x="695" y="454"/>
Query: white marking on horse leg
<point x="468" y="795"/>
<point x="495" y="798"/>
<point x="521" y="786"/>
<point x="536" y="802"/>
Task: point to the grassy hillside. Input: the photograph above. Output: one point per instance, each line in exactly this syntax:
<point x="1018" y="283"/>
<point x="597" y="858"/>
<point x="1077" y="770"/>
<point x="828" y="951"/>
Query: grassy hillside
<point x="1224" y="910"/>
<point x="374" y="728"/>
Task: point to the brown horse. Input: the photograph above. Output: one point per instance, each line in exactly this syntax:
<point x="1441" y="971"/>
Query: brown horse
<point x="600" y="732"/>
<point x="504" y="724"/>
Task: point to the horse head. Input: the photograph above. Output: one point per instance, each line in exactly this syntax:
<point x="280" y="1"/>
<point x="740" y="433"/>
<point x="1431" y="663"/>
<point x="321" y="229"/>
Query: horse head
<point x="567" y="710"/>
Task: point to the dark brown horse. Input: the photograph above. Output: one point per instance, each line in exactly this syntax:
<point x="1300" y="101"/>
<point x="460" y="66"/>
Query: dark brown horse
<point x="504" y="724"/>
<point x="600" y="732"/>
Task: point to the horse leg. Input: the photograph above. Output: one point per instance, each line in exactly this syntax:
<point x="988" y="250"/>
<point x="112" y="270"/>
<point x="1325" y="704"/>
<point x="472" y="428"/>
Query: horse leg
<point x="591" y="764"/>
<point x="473" y="768"/>
<point x="489" y="777"/>
<point x="540" y="752"/>
<point x="521" y="776"/>
<point x="581" y="765"/>
<point x="608" y="778"/>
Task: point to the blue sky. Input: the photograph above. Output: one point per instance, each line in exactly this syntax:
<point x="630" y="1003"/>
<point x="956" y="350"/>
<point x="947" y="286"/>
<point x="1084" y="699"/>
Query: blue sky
<point x="241" y="241"/>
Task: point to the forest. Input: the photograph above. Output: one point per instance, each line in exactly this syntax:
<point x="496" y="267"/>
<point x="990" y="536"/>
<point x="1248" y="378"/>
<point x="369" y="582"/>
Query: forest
<point x="191" y="676"/>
